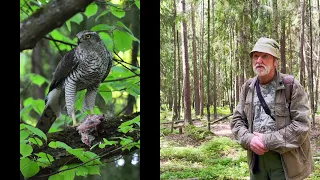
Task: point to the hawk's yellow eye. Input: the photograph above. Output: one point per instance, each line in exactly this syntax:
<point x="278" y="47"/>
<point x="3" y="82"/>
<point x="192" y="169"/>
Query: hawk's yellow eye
<point x="88" y="36"/>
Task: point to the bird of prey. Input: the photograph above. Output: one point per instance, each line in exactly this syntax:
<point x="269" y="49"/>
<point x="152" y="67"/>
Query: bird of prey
<point x="84" y="67"/>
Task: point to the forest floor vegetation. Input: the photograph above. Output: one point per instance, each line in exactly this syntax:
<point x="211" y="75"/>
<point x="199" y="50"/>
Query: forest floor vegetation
<point x="198" y="154"/>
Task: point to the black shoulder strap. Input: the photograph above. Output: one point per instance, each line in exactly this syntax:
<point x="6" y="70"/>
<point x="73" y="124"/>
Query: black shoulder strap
<point x="288" y="81"/>
<point x="262" y="101"/>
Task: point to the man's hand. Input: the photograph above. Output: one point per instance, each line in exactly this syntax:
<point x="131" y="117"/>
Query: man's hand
<point x="257" y="145"/>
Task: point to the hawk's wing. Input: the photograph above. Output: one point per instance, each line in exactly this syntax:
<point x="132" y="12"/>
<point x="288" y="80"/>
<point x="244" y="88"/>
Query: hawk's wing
<point x="108" y="70"/>
<point x="65" y="66"/>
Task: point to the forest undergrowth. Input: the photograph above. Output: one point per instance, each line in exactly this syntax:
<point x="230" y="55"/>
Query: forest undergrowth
<point x="198" y="154"/>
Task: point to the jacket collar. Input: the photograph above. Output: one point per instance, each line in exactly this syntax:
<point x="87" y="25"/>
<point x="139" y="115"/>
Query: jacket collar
<point x="279" y="81"/>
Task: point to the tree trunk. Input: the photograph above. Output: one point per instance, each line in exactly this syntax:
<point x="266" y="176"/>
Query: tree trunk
<point x="214" y="68"/>
<point x="283" y="46"/>
<point x="290" y="41"/>
<point x="202" y="65"/>
<point x="275" y="19"/>
<point x="242" y="60"/>
<point x="318" y="65"/>
<point x="195" y="68"/>
<point x="175" y="109"/>
<point x="311" y="69"/>
<point x="245" y="53"/>
<point x="208" y="69"/>
<point x="237" y="77"/>
<point x="302" y="64"/>
<point x="37" y="68"/>
<point x="185" y="59"/>
<point x="179" y="76"/>
<point x="231" y="70"/>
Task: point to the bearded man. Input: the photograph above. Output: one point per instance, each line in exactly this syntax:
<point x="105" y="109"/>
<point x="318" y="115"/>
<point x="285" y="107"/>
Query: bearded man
<point x="271" y="125"/>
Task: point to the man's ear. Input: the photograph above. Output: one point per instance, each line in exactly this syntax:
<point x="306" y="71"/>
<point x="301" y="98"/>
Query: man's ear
<point x="275" y="62"/>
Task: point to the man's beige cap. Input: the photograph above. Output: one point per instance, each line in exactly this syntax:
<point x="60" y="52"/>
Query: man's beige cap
<point x="267" y="45"/>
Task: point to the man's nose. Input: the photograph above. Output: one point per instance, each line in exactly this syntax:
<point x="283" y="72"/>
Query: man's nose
<point x="259" y="59"/>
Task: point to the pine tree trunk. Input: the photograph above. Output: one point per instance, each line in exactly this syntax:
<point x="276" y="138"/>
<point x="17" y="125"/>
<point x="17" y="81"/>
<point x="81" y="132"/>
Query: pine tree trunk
<point x="214" y="68"/>
<point x="202" y="65"/>
<point x="208" y="69"/>
<point x="311" y="69"/>
<point x="246" y="32"/>
<point x="179" y="76"/>
<point x="283" y="46"/>
<point x="195" y="68"/>
<point x="185" y="59"/>
<point x="175" y="108"/>
<point x="302" y="64"/>
<point x="275" y="19"/>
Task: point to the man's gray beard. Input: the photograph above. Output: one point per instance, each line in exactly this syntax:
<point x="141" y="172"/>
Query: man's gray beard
<point x="265" y="72"/>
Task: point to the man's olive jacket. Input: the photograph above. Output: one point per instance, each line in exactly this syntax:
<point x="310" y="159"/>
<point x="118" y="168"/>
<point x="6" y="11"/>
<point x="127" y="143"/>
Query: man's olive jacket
<point x="291" y="140"/>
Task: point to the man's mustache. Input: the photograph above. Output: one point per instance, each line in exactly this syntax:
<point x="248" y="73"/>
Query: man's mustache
<point x="260" y="65"/>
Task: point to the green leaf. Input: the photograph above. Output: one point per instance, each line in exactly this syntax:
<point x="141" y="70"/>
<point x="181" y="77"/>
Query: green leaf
<point x="45" y="160"/>
<point x="45" y="156"/>
<point x="137" y="2"/>
<point x="58" y="144"/>
<point x="28" y="101"/>
<point x="38" y="105"/>
<point x="106" y="142"/>
<point x="22" y="126"/>
<point x="105" y="92"/>
<point x="101" y="146"/>
<point x="102" y="14"/>
<point x="78" y="153"/>
<point x="68" y="23"/>
<point x="79" y="100"/>
<point x="134" y="90"/>
<point x="94" y="170"/>
<point x="25" y="149"/>
<point x="108" y="41"/>
<point x="68" y="174"/>
<point x="91" y="10"/>
<point x="119" y="13"/>
<point x="119" y="23"/>
<point x="89" y="156"/>
<point x="28" y="168"/>
<point x="36" y="141"/>
<point x="77" y="18"/>
<point x="125" y="129"/>
<point x="101" y="27"/>
<point x="56" y="177"/>
<point x="37" y="79"/>
<point x="36" y="131"/>
<point x="122" y="40"/>
<point x="82" y="171"/>
<point x="134" y="120"/>
<point x="24" y="134"/>
<point x="125" y="141"/>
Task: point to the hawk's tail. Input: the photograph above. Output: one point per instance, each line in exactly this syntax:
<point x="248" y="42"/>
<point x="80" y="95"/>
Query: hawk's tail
<point x="46" y="119"/>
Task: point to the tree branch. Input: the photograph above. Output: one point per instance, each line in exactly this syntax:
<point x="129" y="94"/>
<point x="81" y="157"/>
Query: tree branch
<point x="72" y="138"/>
<point x="47" y="18"/>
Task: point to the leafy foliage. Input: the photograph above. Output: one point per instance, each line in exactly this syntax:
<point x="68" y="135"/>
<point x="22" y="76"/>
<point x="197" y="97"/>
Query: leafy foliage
<point x="110" y="20"/>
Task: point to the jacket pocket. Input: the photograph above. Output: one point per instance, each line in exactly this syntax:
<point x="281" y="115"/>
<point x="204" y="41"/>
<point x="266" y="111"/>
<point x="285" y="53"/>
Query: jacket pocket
<point x="282" y="115"/>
